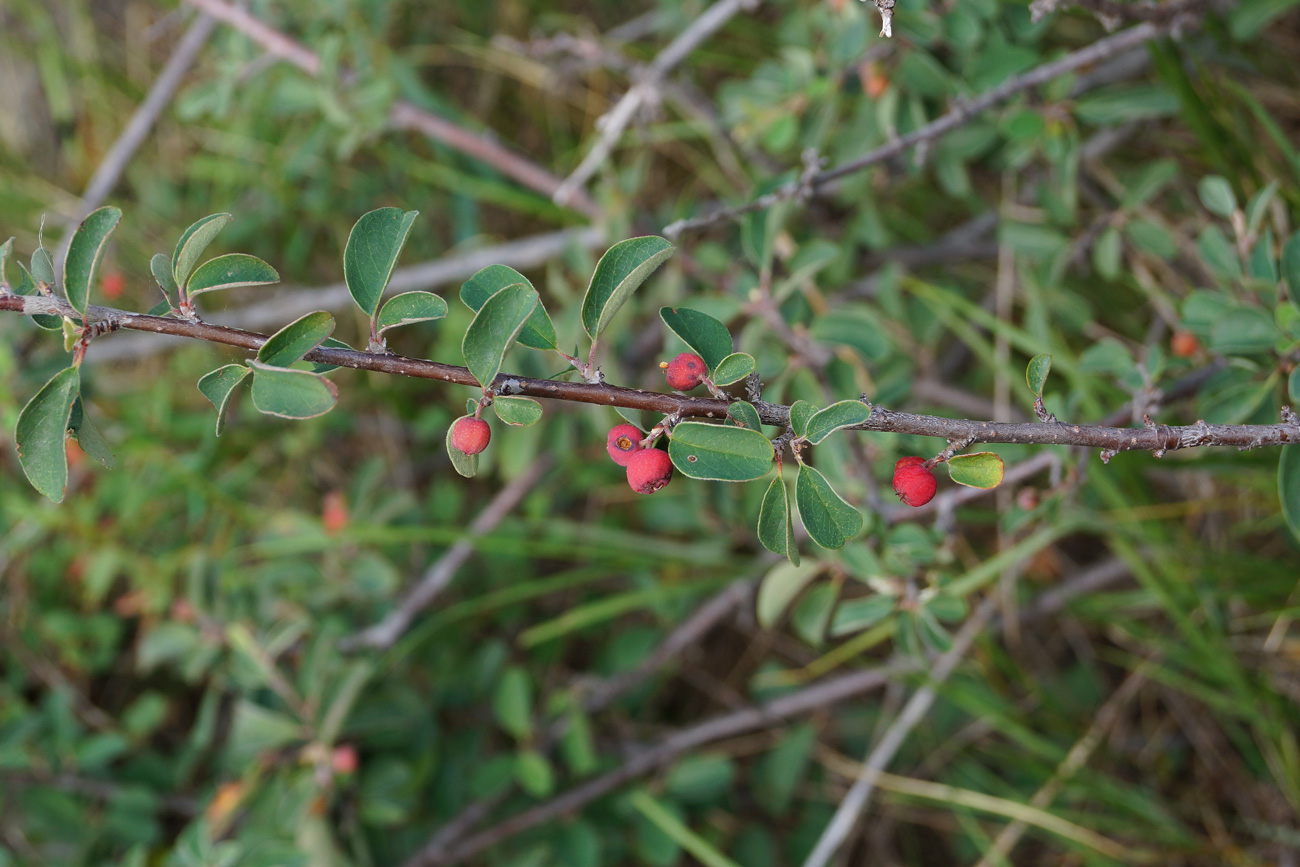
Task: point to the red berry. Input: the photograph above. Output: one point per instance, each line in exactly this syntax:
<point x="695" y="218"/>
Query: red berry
<point x="470" y="435"/>
<point x="623" y="442"/>
<point x="334" y="513"/>
<point x="344" y="759"/>
<point x="113" y="284"/>
<point x="914" y="484"/>
<point x="648" y="470"/>
<point x="1184" y="344"/>
<point x="686" y="371"/>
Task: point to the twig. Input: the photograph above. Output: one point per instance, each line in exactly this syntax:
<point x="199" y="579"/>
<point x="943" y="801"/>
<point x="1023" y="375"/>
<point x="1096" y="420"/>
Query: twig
<point x="403" y="114"/>
<point x="1111" y="440"/>
<point x="846" y="816"/>
<point x="386" y="632"/>
<point x="958" y="116"/>
<point x="646" y="89"/>
<point x="292" y="302"/>
<point x="137" y="128"/>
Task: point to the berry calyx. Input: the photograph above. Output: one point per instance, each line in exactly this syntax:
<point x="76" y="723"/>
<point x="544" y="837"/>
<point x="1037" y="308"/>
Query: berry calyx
<point x="470" y="435"/>
<point x="648" y="470"/>
<point x="685" y="371"/>
<point x="623" y="442"/>
<point x="913" y="482"/>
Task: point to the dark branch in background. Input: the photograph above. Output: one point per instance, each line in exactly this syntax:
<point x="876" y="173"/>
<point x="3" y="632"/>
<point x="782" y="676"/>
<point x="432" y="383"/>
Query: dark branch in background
<point x="1157" y="438"/>
<point x="959" y="115"/>
<point x="405" y="115"/>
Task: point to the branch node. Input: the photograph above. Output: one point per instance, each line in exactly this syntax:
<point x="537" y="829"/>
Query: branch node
<point x="1041" y="411"/>
<point x="1289" y="416"/>
<point x="1107" y="454"/>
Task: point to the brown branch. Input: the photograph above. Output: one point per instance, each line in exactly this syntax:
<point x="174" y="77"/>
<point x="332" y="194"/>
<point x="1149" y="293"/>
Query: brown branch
<point x="1156" y="438"/>
<point x="404" y="115"/>
<point x="961" y="114"/>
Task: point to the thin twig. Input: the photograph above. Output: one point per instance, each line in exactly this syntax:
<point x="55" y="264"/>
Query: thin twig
<point x="646" y="90"/>
<point x="403" y="114"/>
<point x="137" y="128"/>
<point x="850" y="809"/>
<point x="1111" y="440"/>
<point x="439" y="575"/>
<point x="958" y="116"/>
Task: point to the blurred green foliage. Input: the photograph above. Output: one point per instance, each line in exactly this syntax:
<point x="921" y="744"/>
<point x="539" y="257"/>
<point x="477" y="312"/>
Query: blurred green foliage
<point x="172" y="689"/>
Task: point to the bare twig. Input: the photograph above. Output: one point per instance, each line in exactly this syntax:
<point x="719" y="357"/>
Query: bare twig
<point x="958" y="116"/>
<point x="846" y="816"/>
<point x="646" y="90"/>
<point x="403" y="115"/>
<point x="386" y="632"/>
<point x="137" y="128"/>
<point x="1111" y="440"/>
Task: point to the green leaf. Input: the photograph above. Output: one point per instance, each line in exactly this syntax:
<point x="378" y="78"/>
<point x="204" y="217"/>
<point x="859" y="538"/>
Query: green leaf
<point x="801" y="412"/>
<point x="719" y="452"/>
<point x="623" y="268"/>
<point x="1288" y="487"/>
<point x="27" y="286"/>
<point x="1107" y="253"/>
<point x="533" y="773"/>
<point x="779" y="588"/>
<point x="161" y="268"/>
<point x="1217" y="196"/>
<point x="744" y="413"/>
<point x="1257" y="207"/>
<point x="775" y="529"/>
<point x="1290" y="264"/>
<point x="228" y="272"/>
<point x="539" y="332"/>
<point x="41" y="431"/>
<point x="495" y="327"/>
<point x="855" y="615"/>
<point x="193" y="242"/>
<point x="855" y="327"/>
<point x="219" y="385"/>
<point x="85" y="253"/>
<point x="829" y="520"/>
<point x="408" y="308"/>
<point x="1036" y="373"/>
<point x="296" y="339"/>
<point x="512" y="704"/>
<point x="294" y="394"/>
<point x="43" y="267"/>
<point x="1293" y="385"/>
<point x="375" y="242"/>
<point x="1218" y="253"/>
<point x="845" y="413"/>
<point x="980" y="470"/>
<point x="6" y="250"/>
<point x="521" y="411"/>
<point x="734" y="367"/>
<point x="92" y="442"/>
<point x="466" y="465"/>
<point x="706" y="336"/>
<point x="1242" y="331"/>
<point x="778" y="774"/>
<point x="320" y="366"/>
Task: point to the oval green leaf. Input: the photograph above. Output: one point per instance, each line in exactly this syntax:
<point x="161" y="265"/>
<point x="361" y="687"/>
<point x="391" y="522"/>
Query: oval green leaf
<point x="466" y="465"/>
<point x="161" y="268"/>
<point x="1290" y="264"/>
<point x="1217" y="196"/>
<point x="6" y="250"/>
<point x="623" y="268"/>
<point x="521" y="411"/>
<point x="228" y="272"/>
<point x="42" y="429"/>
<point x="43" y="267"/>
<point x="775" y="528"/>
<point x="219" y="385"/>
<point x="539" y="332"/>
<point x="829" y="520"/>
<point x="845" y="413"/>
<point x="375" y="242"/>
<point x="855" y="615"/>
<point x="27" y="286"/>
<point x="293" y="394"/>
<point x="744" y="414"/>
<point x="1036" y="373"/>
<point x="721" y="453"/>
<point x="980" y="470"/>
<point x="1288" y="487"/>
<point x="495" y="327"/>
<point x="85" y="253"/>
<point x="734" y="367"/>
<point x="193" y="242"/>
<point x="320" y="366"/>
<point x="92" y="442"/>
<point x="705" y="335"/>
<point x="408" y="308"/>
<point x="1243" y="331"/>
<point x="296" y="339"/>
<point x="780" y="587"/>
<point x="801" y="412"/>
